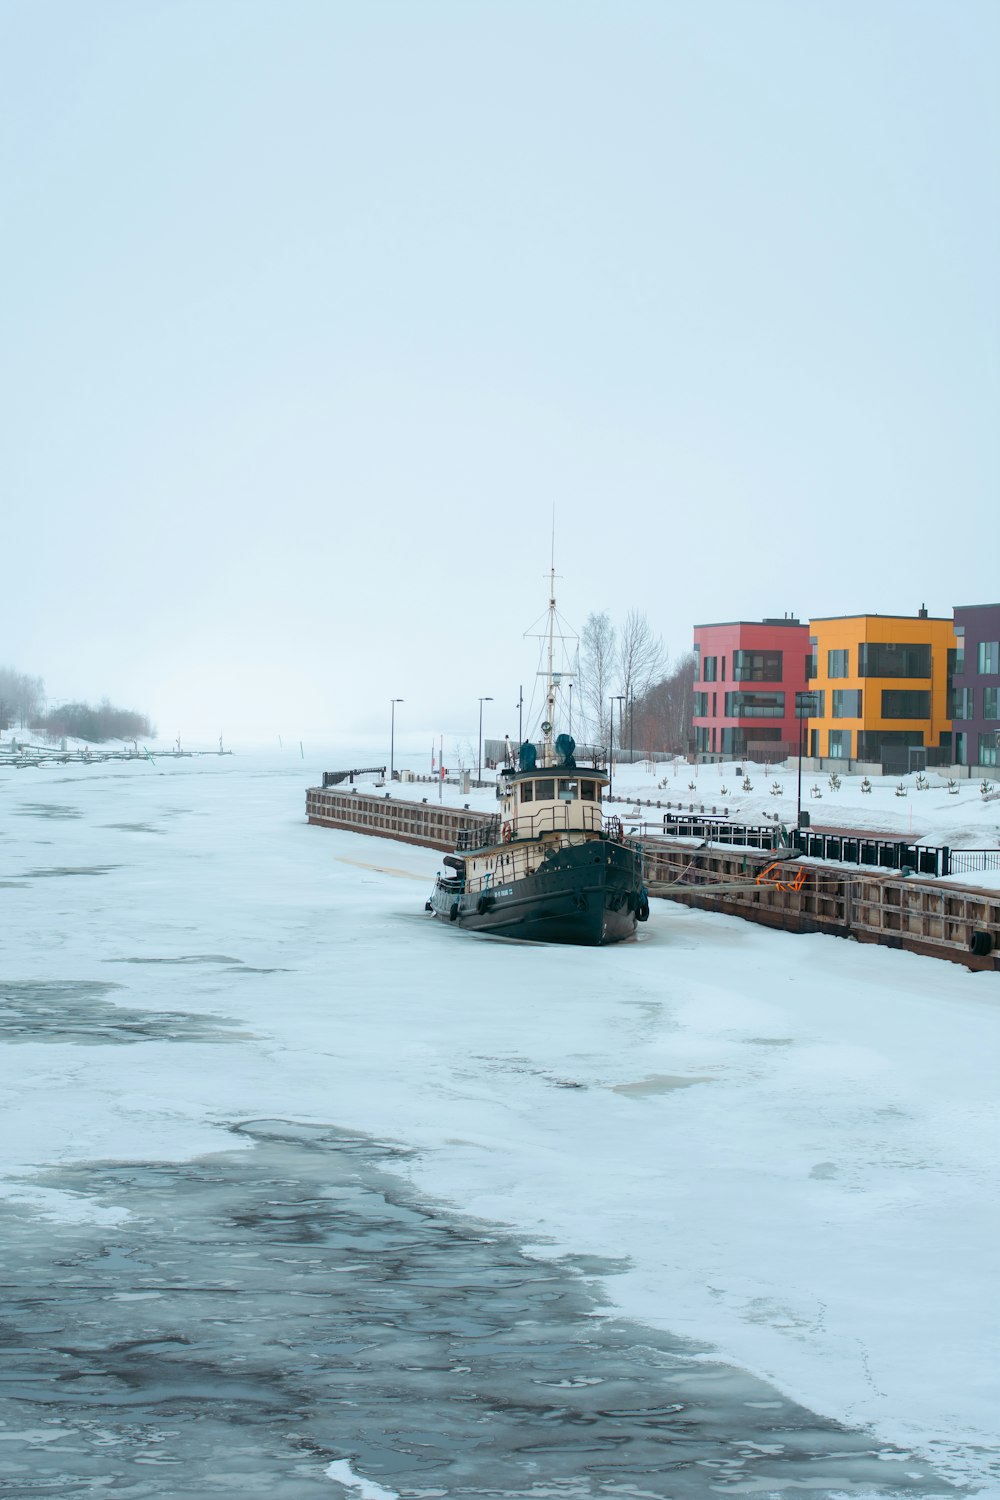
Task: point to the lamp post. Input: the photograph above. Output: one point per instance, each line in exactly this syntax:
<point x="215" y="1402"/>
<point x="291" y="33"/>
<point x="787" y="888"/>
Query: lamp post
<point x="479" y="762"/>
<point x="805" y="705"/>
<point x="392" y="736"/>
<point x="631" y="728"/>
<point x="620" y="699"/>
<point x="611" y="741"/>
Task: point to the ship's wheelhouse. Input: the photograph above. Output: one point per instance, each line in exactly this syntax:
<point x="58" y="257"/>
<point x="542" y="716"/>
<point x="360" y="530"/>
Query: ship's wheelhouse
<point x="550" y="799"/>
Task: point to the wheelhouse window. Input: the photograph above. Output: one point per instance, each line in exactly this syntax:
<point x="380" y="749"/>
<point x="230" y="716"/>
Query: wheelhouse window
<point x="545" y="791"/>
<point x="527" y="792"/>
<point x="569" y="791"/>
<point x="588" y="791"/>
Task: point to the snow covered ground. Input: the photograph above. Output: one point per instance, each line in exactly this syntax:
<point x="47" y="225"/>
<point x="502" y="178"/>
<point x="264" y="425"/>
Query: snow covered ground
<point x="786" y="1145"/>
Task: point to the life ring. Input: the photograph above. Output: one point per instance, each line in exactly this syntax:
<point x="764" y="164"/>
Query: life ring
<point x="507" y="832"/>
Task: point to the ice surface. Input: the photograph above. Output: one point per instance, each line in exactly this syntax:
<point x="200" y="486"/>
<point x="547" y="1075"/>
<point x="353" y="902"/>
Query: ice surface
<point x="780" y="1148"/>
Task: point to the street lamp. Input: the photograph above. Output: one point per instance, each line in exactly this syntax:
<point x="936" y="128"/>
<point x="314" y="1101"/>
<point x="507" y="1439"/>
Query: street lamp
<point x="805" y="708"/>
<point x="620" y="699"/>
<point x="479" y="762"/>
<point x="392" y="737"/>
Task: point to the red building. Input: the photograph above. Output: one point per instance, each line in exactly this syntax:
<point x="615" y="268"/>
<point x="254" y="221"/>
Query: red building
<point x="747" y="675"/>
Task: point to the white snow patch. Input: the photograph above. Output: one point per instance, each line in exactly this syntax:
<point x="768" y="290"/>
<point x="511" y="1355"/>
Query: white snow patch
<point x="342" y="1472"/>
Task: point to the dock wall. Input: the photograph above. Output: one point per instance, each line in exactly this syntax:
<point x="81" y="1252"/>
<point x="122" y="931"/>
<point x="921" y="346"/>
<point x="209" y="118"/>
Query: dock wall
<point x="935" y="918"/>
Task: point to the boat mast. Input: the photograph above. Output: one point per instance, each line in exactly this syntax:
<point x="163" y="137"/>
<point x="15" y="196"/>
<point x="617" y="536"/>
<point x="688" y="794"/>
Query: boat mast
<point x="550" y="692"/>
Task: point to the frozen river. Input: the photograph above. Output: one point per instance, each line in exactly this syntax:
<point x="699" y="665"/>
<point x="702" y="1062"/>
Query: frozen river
<point x="304" y="1194"/>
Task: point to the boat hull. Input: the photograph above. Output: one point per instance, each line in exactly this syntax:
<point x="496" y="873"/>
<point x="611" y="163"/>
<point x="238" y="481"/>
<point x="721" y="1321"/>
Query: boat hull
<point x="587" y="894"/>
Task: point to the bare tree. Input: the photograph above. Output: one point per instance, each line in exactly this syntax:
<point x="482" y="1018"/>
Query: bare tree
<point x="21" y="697"/>
<point x="663" y="716"/>
<point x="641" y="661"/>
<point x="597" y="674"/>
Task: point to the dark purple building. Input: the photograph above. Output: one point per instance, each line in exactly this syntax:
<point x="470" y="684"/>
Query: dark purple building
<point x="975" y="686"/>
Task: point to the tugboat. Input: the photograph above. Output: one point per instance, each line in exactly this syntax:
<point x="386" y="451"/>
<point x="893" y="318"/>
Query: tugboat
<point x="548" y="867"/>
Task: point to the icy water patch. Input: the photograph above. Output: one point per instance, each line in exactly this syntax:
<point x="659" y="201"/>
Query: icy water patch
<point x="78" y="1011"/>
<point x="52" y="872"/>
<point x="55" y="810"/>
<point x="293" y="1321"/>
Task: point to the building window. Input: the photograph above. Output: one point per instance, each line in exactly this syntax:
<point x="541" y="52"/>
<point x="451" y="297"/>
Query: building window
<point x="811" y="704"/>
<point x="961" y="703"/>
<point x="989" y="661"/>
<point x="710" y="666"/>
<point x="697" y="662"/>
<point x="990" y="703"/>
<point x="757" y="666"/>
<point x="722" y="661"/>
<point x="811" y="665"/>
<point x="893" y="659"/>
<point x="840" y="744"/>
<point x="701" y="738"/>
<point x="988" y="749"/>
<point x="755" y="705"/>
<point x="700" y="705"/>
<point x="956" y="660"/>
<point x="905" y="703"/>
<point x="846" y="704"/>
<point x="838" y="664"/>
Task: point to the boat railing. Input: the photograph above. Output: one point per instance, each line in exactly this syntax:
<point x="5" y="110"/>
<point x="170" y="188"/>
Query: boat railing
<point x="559" y="817"/>
<point x="480" y="836"/>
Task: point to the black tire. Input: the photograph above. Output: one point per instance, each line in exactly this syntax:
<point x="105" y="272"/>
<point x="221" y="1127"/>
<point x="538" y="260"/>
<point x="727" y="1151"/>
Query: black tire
<point x="483" y="904"/>
<point x="980" y="944"/>
<point x="642" y="910"/>
<point x="453" y="914"/>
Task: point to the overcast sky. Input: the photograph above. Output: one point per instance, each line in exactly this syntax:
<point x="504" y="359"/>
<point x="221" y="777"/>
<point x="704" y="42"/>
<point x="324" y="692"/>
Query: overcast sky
<point x="311" y="313"/>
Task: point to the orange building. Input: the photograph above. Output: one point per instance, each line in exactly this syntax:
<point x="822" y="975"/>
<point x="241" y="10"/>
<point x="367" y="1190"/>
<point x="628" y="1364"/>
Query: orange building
<point x="882" y="688"/>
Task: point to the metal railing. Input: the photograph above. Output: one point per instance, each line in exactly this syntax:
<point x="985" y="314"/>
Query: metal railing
<point x="479" y="836"/>
<point x="970" y="861"/>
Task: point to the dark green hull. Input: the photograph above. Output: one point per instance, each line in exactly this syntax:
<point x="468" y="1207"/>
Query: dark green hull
<point x="589" y="893"/>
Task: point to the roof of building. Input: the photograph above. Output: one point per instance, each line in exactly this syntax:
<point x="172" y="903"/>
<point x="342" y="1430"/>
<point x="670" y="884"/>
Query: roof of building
<point x="873" y="614"/>
<point x="718" y="624"/>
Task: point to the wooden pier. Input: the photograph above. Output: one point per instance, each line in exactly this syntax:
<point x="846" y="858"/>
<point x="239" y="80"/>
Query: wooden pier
<point x="933" y="917"/>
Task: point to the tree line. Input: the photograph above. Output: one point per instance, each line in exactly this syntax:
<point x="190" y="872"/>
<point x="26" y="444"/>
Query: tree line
<point x="626" y="665"/>
<point x="22" y="704"/>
